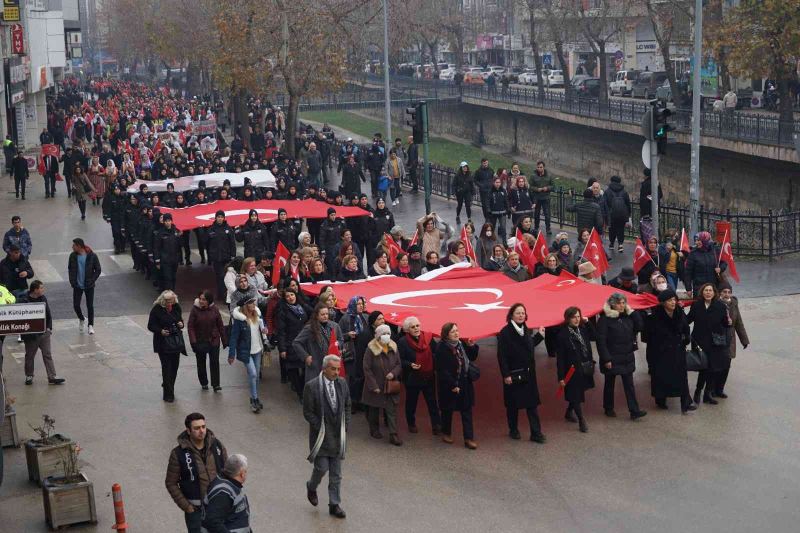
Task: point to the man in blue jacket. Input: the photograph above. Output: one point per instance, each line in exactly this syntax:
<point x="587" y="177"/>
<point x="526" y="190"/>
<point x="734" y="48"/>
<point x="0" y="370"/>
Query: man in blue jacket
<point x="18" y="235"/>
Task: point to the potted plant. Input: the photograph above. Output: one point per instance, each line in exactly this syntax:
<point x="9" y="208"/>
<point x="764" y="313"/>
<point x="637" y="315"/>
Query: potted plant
<point x="43" y="454"/>
<point x="69" y="497"/>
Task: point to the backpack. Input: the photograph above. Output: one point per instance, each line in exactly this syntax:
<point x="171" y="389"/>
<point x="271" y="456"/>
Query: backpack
<point x="619" y="209"/>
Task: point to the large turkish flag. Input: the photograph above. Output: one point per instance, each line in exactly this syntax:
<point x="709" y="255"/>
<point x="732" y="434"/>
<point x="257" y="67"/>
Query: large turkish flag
<point x="237" y="211"/>
<point x="476" y="300"/>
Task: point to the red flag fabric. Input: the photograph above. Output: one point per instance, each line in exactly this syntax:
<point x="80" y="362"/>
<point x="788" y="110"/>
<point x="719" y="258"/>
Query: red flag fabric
<point x="237" y="212"/>
<point x="51" y="149"/>
<point x="595" y="254"/>
<point x="684" y="246"/>
<point x="568" y="377"/>
<point x="525" y="252"/>
<point x="475" y="299"/>
<point x="726" y="254"/>
<point x="333" y="349"/>
<point x="468" y="245"/>
<point x="414" y="239"/>
<point x="640" y="256"/>
<point x="158" y="146"/>
<point x="394" y="249"/>
<point x="540" y="249"/>
<point x="281" y="258"/>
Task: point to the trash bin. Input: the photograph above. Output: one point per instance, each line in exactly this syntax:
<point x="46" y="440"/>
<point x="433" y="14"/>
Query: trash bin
<point x="723" y="226"/>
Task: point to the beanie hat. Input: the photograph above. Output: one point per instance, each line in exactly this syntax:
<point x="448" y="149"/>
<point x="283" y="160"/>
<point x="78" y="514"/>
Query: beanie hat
<point x="219" y="212"/>
<point x="588" y="193"/>
<point x="665" y="295"/>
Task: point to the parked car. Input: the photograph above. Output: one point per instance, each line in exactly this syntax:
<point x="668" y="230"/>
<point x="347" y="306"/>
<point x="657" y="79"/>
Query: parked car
<point x="623" y="82"/>
<point x="664" y="93"/>
<point x="576" y="80"/>
<point x="555" y="78"/>
<point x="474" y="75"/>
<point x="647" y="83"/>
<point x="514" y="73"/>
<point x="588" y="87"/>
<point x="528" y="77"/>
<point x="448" y="72"/>
<point x="493" y="69"/>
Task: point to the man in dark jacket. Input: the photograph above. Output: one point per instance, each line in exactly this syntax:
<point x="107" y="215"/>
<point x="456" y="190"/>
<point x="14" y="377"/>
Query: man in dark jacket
<point x="330" y="233"/>
<point x="374" y="163"/>
<point x="645" y="195"/>
<point x="484" y="177"/>
<point x="225" y="507"/>
<point x="84" y="270"/>
<point x="50" y="163"/>
<point x="15" y="271"/>
<point x="254" y="235"/>
<point x="19" y="167"/>
<point x="18" y="235"/>
<point x="351" y="173"/>
<point x="618" y="207"/>
<point x="167" y="253"/>
<point x="541" y="184"/>
<point x="114" y="208"/>
<point x="220" y="244"/>
<point x="39" y="341"/>
<point x="193" y="464"/>
<point x="588" y="213"/>
<point x="327" y="409"/>
<point x="314" y="164"/>
<point x="70" y="159"/>
<point x="498" y="208"/>
<point x="412" y="163"/>
<point x="283" y="230"/>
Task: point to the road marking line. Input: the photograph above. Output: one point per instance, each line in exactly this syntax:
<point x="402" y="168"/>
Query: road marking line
<point x="44" y="270"/>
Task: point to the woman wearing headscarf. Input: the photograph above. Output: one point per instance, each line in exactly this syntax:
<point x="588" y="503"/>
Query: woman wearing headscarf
<point x="166" y="324"/>
<point x="416" y="349"/>
<point x="381" y="366"/>
<point x="352" y="323"/>
<point x="292" y="316"/>
<point x="667" y="336"/>
<point x="455" y="382"/>
<point x="616" y="344"/>
<point x="97" y="175"/>
<point x="652" y="266"/>
<point x="710" y="333"/>
<point x="515" y="345"/>
<point x="575" y="358"/>
<point x="703" y="265"/>
<point x="247" y="345"/>
<point x="313" y="342"/>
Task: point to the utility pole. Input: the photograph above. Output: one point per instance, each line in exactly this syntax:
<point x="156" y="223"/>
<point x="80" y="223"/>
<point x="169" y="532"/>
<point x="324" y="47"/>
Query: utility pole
<point x="694" y="167"/>
<point x="386" y="91"/>
<point x="423" y="107"/>
<point x="654" y="160"/>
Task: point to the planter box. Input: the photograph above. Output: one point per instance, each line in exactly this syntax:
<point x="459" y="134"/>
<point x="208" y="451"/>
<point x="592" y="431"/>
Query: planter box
<point x="70" y="503"/>
<point x="45" y="461"/>
<point x="9" y="435"/>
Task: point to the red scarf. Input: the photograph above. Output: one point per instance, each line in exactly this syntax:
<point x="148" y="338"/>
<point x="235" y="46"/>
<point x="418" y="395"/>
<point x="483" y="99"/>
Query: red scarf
<point x="422" y="347"/>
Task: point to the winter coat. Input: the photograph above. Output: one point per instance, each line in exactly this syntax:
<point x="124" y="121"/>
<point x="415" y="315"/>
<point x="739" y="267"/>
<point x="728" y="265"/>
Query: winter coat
<point x="667" y="338"/>
<point x="92" y="272"/>
<point x="498" y="201"/>
<point x="520" y="201"/>
<point x="700" y="268"/>
<point x="220" y="243"/>
<point x="317" y="411"/>
<point x="463" y="184"/>
<point x="289" y="326"/>
<point x="330" y="234"/>
<point x="709" y="324"/>
<point x="240" y="340"/>
<point x="255" y="238"/>
<point x="381" y="223"/>
<point x="205" y="326"/>
<point x="515" y="357"/>
<point x="48" y="316"/>
<point x="307" y="344"/>
<point x="21" y="238"/>
<point x="448" y="377"/>
<point x="376" y="365"/>
<point x="570" y="354"/>
<point x="588" y="215"/>
<point x="167" y="246"/>
<point x="190" y="470"/>
<point x="351" y="174"/>
<point x="284" y="232"/>
<point x="79" y="185"/>
<point x="618" y="203"/>
<point x="415" y="378"/>
<point x="160" y="319"/>
<point x="10" y="271"/>
<point x="484" y="177"/>
<point x="616" y="340"/>
<point x="521" y="274"/>
<point x="535" y="181"/>
<point x="737" y="327"/>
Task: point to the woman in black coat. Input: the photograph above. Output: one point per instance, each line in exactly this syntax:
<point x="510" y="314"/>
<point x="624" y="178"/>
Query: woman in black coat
<point x="667" y="336"/>
<point x="616" y="346"/>
<point x="575" y="351"/>
<point x="710" y="334"/>
<point x="703" y="264"/>
<point x="166" y="324"/>
<point x="456" y="391"/>
<point x="515" y="345"/>
<point x="292" y="315"/>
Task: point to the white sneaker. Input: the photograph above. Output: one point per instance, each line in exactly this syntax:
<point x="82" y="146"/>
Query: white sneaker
<point x="91" y="330"/>
<point x="81" y="323"/>
<point x="19" y="338"/>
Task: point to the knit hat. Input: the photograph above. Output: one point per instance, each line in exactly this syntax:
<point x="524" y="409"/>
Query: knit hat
<point x="562" y="242"/>
<point x="331" y="211"/>
<point x="588" y="193"/>
<point x="252" y="212"/>
<point x="722" y="285"/>
<point x="219" y="212"/>
<point x="383" y="329"/>
<point x="665" y="295"/>
<point x="373" y="316"/>
<point x="704" y="237"/>
<point x="281" y="210"/>
<point x="167" y="216"/>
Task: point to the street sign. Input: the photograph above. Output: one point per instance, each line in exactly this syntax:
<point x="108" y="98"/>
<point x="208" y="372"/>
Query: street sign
<point x="17" y="39"/>
<point x="646" y="154"/>
<point x="16" y="319"/>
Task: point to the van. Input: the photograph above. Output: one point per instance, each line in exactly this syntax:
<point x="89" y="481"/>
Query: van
<point x="647" y="84"/>
<point x="623" y="82"/>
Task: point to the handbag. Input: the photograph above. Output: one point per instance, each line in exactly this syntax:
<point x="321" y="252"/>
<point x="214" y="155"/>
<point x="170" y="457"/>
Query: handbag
<point x="696" y="360"/>
<point x="719" y="339"/>
<point x="520" y="375"/>
<point x="390" y="386"/>
<point x="173" y="343"/>
<point x="587" y="367"/>
<point x="473" y="372"/>
<point x="87" y="188"/>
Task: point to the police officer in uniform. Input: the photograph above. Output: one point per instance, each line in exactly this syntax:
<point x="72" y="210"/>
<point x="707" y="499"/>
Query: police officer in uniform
<point x="225" y="507"/>
<point x="255" y="236"/>
<point x="220" y="246"/>
<point x="167" y="252"/>
<point x="193" y="464"/>
<point x="114" y="212"/>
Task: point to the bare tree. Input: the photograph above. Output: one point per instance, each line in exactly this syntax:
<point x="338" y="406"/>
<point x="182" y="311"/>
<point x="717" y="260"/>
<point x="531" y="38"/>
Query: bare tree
<point x="561" y="28"/>
<point x="670" y="21"/>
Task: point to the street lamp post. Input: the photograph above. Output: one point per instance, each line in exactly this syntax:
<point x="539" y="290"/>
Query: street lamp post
<point x="386" y="91"/>
<point x="694" y="167"/>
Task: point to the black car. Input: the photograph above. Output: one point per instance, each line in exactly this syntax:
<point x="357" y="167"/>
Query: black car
<point x="588" y="88"/>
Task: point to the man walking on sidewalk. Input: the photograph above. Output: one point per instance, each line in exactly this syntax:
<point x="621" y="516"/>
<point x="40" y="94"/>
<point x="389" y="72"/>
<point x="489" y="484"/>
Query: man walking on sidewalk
<point x="84" y="270"/>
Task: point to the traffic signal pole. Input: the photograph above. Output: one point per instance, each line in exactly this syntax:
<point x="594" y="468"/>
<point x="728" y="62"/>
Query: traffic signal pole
<point x="654" y="159"/>
<point x="697" y="96"/>
<point x="423" y="107"/>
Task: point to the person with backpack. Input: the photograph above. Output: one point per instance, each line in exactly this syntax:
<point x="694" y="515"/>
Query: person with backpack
<point x="618" y="207"/>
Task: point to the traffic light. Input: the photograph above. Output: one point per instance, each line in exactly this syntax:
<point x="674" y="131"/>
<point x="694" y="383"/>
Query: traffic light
<point x="647" y="123"/>
<point x="415" y="121"/>
<point x="661" y="127"/>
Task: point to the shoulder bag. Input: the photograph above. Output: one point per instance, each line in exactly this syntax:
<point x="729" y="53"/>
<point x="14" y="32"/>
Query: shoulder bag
<point x="696" y="360"/>
<point x="587" y="367"/>
<point x="520" y="375"/>
<point x="390" y="386"/>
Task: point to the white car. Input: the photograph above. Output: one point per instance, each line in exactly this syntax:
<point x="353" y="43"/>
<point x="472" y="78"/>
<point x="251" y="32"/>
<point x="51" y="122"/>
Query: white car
<point x="528" y="77"/>
<point x="448" y="72"/>
<point x="493" y="69"/>
<point x="555" y="78"/>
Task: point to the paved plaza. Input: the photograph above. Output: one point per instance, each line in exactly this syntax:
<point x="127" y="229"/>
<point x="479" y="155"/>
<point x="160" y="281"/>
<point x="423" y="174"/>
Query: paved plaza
<point x="727" y="468"/>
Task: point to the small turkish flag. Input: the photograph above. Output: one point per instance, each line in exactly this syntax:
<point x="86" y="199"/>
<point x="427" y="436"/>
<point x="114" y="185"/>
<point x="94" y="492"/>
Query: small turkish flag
<point x="468" y="245"/>
<point x="524" y="251"/>
<point x="595" y="254"/>
<point x="333" y="349"/>
<point x="414" y="239"/>
<point x="640" y="256"/>
<point x="281" y="258"/>
<point x="726" y="254"/>
<point x="684" y="246"/>
<point x="540" y="250"/>
<point x="394" y="249"/>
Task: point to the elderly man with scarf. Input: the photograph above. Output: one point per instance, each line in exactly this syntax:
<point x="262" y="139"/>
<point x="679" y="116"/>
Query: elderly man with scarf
<point x="416" y="355"/>
<point x="326" y="407"/>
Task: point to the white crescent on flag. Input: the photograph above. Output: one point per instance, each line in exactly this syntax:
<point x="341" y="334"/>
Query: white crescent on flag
<point x="392" y="299"/>
<point x="235" y="212"/>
